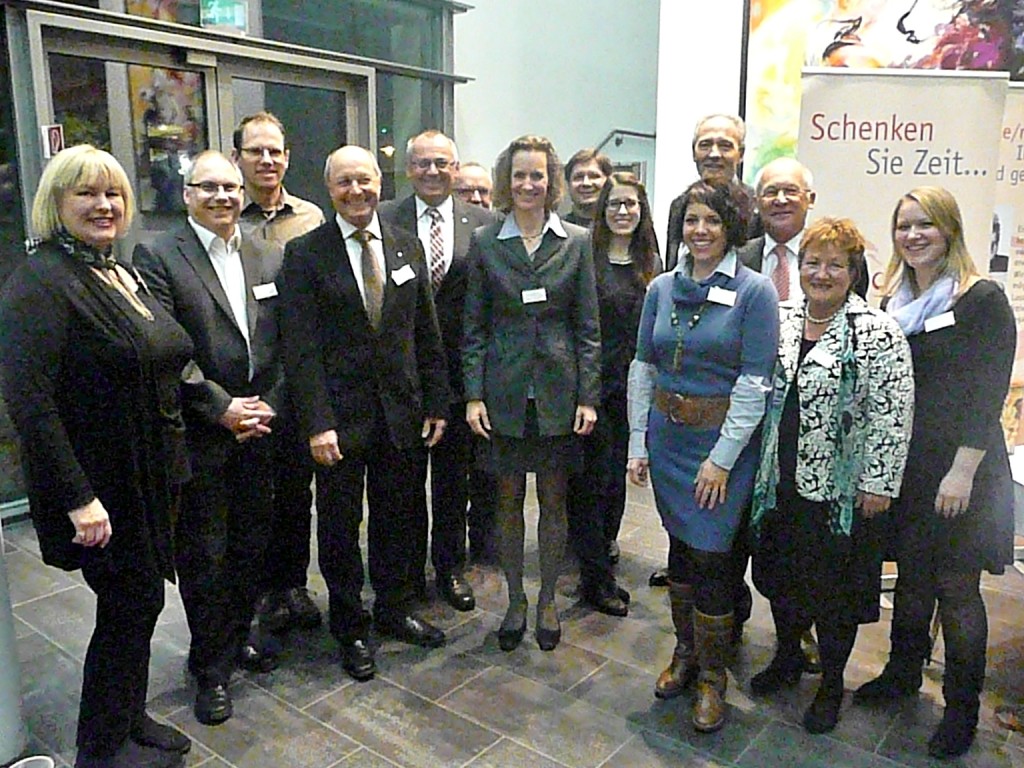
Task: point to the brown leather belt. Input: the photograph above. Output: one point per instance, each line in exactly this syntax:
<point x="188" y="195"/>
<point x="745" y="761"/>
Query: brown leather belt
<point x="699" y="412"/>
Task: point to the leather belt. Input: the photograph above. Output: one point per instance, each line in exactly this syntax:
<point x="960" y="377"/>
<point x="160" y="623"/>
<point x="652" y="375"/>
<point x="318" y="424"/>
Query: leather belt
<point x="699" y="412"/>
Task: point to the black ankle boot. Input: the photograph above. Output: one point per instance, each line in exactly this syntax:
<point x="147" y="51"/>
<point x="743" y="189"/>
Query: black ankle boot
<point x="783" y="672"/>
<point x="896" y="681"/>
<point x="823" y="714"/>
<point x="955" y="733"/>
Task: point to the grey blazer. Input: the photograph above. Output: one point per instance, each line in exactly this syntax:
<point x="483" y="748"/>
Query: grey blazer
<point x="751" y="253"/>
<point x="511" y="343"/>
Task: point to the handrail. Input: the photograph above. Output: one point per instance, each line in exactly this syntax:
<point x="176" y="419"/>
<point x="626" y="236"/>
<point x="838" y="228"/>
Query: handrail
<point x="618" y="133"/>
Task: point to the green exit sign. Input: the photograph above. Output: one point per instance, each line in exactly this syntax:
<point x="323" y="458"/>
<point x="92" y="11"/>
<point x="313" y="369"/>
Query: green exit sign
<point x="225" y="14"/>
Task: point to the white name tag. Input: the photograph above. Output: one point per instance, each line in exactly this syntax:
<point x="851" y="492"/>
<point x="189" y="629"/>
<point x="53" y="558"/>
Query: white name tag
<point x="717" y="295"/>
<point x="403" y="274"/>
<point x="265" y="291"/>
<point x="945" y="320"/>
<point x="535" y="295"/>
<point x="821" y="356"/>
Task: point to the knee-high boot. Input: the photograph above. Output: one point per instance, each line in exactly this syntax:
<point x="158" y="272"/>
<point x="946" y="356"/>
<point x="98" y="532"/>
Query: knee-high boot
<point x="713" y="637"/>
<point x="681" y="672"/>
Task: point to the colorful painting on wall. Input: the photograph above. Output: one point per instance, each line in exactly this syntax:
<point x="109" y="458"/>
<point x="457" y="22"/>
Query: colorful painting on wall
<point x="786" y="35"/>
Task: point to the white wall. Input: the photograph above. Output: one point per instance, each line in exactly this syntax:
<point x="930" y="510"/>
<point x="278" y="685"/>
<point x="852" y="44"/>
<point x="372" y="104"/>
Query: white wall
<point x="569" y="70"/>
<point x="699" y="62"/>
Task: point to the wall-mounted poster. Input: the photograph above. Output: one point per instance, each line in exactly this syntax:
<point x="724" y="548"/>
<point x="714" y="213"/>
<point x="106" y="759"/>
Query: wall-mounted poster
<point x="786" y="35"/>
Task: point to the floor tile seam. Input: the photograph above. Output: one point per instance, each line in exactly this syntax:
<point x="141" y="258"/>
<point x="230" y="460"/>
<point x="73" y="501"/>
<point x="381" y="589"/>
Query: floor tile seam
<point x="313" y="718"/>
<point x="736" y="760"/>
<point x="483" y="751"/>
<point x="616" y="751"/>
<point x="68" y="588"/>
<point x="520" y="743"/>
<point x="590" y="674"/>
<point x="373" y="752"/>
<point x="327" y="695"/>
<point x="50" y="640"/>
<point x="458" y="687"/>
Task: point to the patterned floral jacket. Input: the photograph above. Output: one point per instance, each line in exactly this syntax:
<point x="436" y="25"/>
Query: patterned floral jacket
<point x="856" y="411"/>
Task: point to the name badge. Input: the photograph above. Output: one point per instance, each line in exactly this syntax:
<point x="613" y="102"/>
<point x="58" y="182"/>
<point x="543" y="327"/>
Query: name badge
<point x="822" y="357"/>
<point x="717" y="295"/>
<point x="403" y="275"/>
<point x="945" y="320"/>
<point x="535" y="295"/>
<point x="265" y="291"/>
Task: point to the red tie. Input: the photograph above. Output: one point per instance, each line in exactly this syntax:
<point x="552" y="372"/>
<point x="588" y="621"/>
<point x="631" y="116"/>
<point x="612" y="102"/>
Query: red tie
<point x="436" y="248"/>
<point x="780" y="275"/>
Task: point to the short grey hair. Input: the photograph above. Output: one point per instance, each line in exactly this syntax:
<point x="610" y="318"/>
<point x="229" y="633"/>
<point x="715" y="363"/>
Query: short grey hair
<point x="327" y="162"/>
<point x="432" y="133"/>
<point x="737" y="122"/>
<point x="805" y="173"/>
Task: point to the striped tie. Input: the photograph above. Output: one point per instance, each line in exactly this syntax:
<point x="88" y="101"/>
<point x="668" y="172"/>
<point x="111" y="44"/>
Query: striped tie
<point x="436" y="248"/>
<point x="780" y="275"/>
<point x="373" y="280"/>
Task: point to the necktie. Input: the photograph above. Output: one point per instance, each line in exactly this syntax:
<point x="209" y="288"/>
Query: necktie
<point x="780" y="275"/>
<point x="373" y="280"/>
<point x="436" y="248"/>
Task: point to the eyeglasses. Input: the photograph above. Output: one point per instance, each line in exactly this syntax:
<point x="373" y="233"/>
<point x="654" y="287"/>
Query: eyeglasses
<point x="789" y="193"/>
<point x="833" y="270"/>
<point x="256" y="153"/>
<point x="629" y="203"/>
<point x="482" y="191"/>
<point x="212" y="187"/>
<point x="438" y="162"/>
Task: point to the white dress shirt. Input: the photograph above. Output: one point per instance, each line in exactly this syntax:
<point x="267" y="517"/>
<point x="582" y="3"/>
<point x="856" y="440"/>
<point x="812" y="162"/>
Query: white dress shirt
<point x="227" y="263"/>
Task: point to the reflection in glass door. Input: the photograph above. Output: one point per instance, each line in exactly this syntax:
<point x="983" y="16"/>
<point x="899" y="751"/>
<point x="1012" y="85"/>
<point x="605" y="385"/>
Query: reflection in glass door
<point x="315" y="122"/>
<point x="153" y="119"/>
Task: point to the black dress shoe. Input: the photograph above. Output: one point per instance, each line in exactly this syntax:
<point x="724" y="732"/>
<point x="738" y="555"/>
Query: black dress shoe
<point x="132" y="755"/>
<point x="252" y="658"/>
<point x="302" y="611"/>
<point x="213" y="704"/>
<point x="659" y="578"/>
<point x="623" y="594"/>
<point x="149" y="733"/>
<point x="357" y="660"/>
<point x="456" y="591"/>
<point x="410" y="629"/>
<point x="603" y="598"/>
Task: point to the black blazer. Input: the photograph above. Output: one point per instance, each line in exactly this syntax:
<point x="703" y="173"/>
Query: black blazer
<point x="450" y="297"/>
<point x="93" y="390"/>
<point x="343" y="374"/>
<point x="508" y="343"/>
<point x="179" y="272"/>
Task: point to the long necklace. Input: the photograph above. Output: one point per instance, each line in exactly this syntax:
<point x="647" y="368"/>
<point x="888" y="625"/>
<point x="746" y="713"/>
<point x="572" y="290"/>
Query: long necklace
<point x="677" y="357"/>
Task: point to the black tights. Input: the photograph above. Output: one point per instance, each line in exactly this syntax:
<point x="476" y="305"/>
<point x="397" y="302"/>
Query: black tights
<point x="710" y="574"/>
<point x="836" y="634"/>
<point x="964" y="627"/>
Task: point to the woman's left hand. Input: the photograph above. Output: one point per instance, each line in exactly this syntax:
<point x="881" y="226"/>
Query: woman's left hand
<point x="586" y="418"/>
<point x="871" y="505"/>
<point x="709" y="485"/>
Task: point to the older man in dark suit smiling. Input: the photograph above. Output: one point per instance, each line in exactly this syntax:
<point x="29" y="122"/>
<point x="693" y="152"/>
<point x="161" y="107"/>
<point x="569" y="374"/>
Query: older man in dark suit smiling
<point x="364" y="356"/>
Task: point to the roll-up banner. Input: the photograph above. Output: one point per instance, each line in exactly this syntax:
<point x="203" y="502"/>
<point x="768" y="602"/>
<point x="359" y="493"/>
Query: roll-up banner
<point x="871" y="136"/>
<point x="1006" y="252"/>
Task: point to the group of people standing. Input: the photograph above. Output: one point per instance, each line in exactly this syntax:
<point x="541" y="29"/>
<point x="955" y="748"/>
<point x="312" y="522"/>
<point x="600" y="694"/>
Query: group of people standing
<point x="174" y="412"/>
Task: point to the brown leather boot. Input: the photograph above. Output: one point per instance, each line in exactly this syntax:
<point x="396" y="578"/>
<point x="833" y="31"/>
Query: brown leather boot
<point x="681" y="672"/>
<point x="713" y="635"/>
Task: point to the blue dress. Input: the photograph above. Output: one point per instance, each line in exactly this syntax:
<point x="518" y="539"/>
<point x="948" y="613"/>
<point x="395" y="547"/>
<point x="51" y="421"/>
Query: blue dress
<point x="723" y="343"/>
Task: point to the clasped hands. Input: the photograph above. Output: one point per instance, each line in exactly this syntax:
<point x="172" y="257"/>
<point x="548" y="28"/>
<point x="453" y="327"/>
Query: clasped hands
<point x="247" y="417"/>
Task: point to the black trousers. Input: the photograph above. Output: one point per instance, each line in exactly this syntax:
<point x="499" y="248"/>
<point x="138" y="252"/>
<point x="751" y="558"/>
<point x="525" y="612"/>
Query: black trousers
<point x="450" y="463"/>
<point x="116" y="672"/>
<point x="597" y="495"/>
<point x="286" y="560"/>
<point x="390" y="476"/>
<point x="221" y="534"/>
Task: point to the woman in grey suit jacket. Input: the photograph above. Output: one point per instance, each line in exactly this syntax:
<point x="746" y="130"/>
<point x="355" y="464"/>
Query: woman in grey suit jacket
<point x="531" y="362"/>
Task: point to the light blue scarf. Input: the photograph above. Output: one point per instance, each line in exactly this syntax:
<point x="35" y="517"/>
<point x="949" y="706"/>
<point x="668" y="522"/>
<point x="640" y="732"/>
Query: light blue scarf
<point x="912" y="313"/>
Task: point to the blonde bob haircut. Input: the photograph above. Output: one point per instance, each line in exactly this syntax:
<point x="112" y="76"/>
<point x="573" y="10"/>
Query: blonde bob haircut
<point x="502" y="193"/>
<point x="81" y="164"/>
<point x="942" y="210"/>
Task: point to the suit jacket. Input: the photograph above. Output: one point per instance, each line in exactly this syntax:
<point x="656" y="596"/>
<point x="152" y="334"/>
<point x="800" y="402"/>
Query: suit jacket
<point x="555" y="343"/>
<point x="179" y="273"/>
<point x="343" y="374"/>
<point x="450" y="297"/>
<point x="751" y="253"/>
<point x="675" y="226"/>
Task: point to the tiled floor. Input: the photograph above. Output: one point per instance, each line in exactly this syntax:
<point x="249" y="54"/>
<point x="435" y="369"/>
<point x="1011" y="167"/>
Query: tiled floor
<point x="588" y="704"/>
